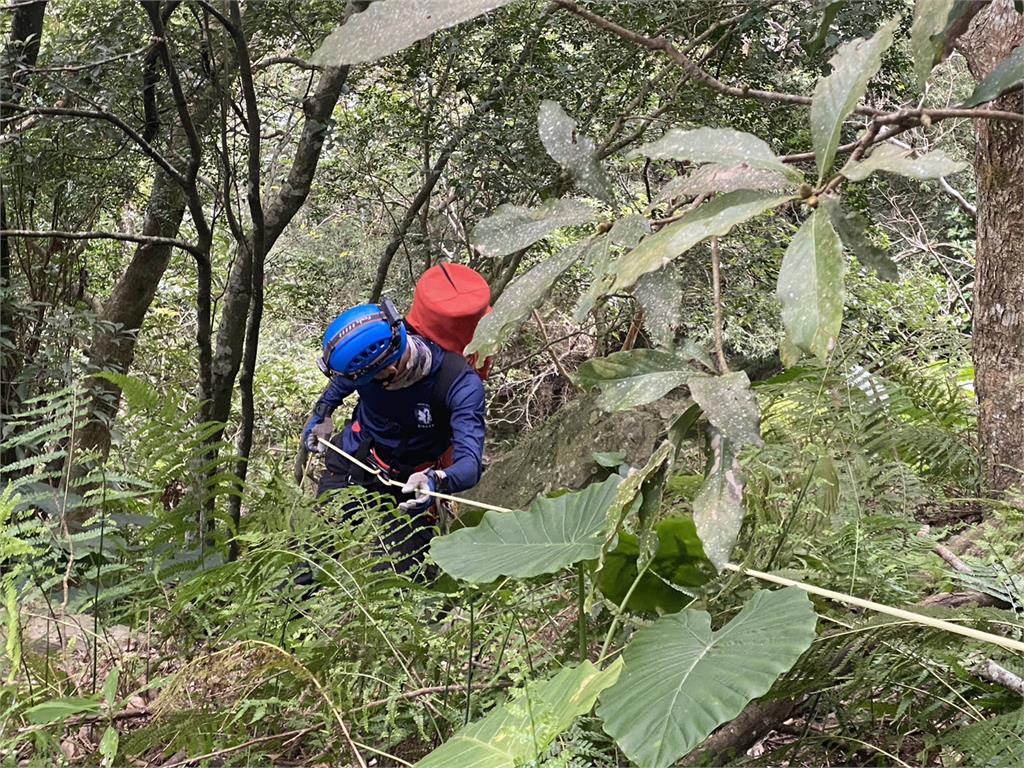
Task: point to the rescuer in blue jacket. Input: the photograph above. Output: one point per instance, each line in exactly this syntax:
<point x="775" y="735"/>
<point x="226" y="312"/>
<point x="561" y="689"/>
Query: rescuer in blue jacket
<point x="419" y="417"/>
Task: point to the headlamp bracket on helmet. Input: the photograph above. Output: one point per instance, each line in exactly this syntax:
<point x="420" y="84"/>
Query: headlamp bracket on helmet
<point x="394" y="320"/>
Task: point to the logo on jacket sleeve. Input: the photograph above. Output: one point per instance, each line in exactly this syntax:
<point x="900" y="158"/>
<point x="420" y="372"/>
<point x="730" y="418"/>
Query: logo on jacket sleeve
<point x="424" y="417"/>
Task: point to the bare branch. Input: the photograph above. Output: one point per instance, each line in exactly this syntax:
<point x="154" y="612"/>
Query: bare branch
<point x="100" y="235"/>
<point x="999" y="675"/>
<point x="293" y="60"/>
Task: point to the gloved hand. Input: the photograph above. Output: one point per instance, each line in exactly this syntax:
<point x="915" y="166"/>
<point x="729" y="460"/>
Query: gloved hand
<point x="318" y="426"/>
<point x="421" y="484"/>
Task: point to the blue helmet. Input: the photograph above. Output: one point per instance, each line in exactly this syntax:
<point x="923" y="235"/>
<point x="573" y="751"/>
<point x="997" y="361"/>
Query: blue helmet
<point x="363" y="341"/>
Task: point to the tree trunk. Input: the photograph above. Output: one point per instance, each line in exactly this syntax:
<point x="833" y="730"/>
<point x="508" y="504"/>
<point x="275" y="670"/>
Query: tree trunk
<point x="998" y="337"/>
<point x="238" y="293"/>
<point x="21" y="51"/>
<point x="113" y="344"/>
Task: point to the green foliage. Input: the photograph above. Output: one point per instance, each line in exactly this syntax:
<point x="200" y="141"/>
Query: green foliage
<point x="811" y="289"/>
<point x="677" y="568"/>
<point x="893" y="159"/>
<point x="521" y="730"/>
<point x="680" y="680"/>
<point x="837" y="94"/>
<point x="552" y="534"/>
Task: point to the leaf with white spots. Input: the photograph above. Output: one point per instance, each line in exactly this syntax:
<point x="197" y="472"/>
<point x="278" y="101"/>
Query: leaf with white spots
<point x="635" y="377"/>
<point x="522" y="296"/>
<point x="718" y="507"/>
<point x="836" y="95"/>
<point x="715" y="217"/>
<point x="894" y="159"/>
<point x="724" y="146"/>
<point x="729" y="404"/>
<point x="681" y="680"/>
<point x="514" y="227"/>
<point x="388" y="26"/>
<point x="811" y="287"/>
<point x="716" y="179"/>
<point x="661" y="297"/>
<point x="574" y="151"/>
<point x="629" y="230"/>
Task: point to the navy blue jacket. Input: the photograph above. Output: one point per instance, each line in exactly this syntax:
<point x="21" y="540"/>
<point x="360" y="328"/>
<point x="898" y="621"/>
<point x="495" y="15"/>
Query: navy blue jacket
<point x="403" y="428"/>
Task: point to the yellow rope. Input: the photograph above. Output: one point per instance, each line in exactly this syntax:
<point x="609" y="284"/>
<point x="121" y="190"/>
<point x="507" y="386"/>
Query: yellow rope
<point x="839" y="597"/>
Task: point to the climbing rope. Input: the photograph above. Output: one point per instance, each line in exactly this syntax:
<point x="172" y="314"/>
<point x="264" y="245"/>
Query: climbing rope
<point x="839" y="597"/>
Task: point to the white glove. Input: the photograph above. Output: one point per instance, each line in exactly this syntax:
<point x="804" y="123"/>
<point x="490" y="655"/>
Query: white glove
<point x="422" y="484"/>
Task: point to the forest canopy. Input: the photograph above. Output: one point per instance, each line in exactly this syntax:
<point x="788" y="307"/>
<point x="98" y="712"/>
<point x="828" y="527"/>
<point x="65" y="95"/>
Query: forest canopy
<point x="750" y="371"/>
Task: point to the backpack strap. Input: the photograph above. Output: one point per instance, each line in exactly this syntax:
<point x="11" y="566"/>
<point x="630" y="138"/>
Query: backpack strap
<point x="451" y="368"/>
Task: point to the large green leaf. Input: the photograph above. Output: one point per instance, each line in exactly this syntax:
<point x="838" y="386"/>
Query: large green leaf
<point x="521" y="730"/>
<point x="680" y="680"/>
<point x="552" y="534"/>
<point x="718" y="506"/>
<point x="679" y="562"/>
<point x="521" y="297"/>
<point x="514" y="227"/>
<point x="889" y="157"/>
<point x="388" y="26"/>
<point x="715" y="217"/>
<point x="811" y="287"/>
<point x="852" y="230"/>
<point x="729" y="404"/>
<point x="1009" y="73"/>
<point x="632" y="378"/>
<point x="836" y="95"/>
<point x="926" y="35"/>
<point x="572" y="150"/>
<point x="714" y="145"/>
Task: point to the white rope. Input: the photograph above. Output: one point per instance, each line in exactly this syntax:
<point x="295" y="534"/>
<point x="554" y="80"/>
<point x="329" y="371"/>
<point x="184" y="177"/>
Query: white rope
<point x="839" y="597"/>
<point x="900" y="613"/>
<point x="378" y="473"/>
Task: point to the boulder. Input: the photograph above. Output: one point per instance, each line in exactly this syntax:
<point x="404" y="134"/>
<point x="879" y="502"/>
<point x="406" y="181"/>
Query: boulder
<point x="559" y="453"/>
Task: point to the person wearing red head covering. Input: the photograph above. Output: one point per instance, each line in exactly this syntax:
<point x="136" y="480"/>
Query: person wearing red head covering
<point x="447" y="304"/>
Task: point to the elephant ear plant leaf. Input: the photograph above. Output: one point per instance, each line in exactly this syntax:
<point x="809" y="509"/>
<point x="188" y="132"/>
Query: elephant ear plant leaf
<point x="553" y="534"/>
<point x="681" y="680"/>
<point x="520" y="731"/>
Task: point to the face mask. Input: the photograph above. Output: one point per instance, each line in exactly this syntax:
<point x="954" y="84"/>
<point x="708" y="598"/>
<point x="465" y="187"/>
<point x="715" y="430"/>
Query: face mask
<point x="417" y="366"/>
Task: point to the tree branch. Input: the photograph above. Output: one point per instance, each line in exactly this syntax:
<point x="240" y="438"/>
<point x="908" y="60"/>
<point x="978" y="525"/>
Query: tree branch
<point x="100" y="235"/>
<point x="99" y="114"/>
<point x="705" y="78"/>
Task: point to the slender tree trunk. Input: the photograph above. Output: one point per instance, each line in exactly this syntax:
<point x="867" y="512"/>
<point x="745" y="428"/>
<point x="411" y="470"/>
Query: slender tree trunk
<point x="238" y="292"/>
<point x="22" y="50"/>
<point x="998" y="338"/>
<point x="113" y="344"/>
